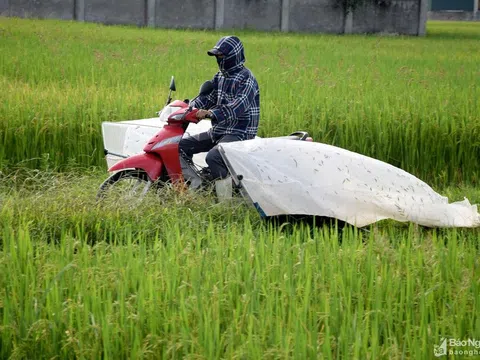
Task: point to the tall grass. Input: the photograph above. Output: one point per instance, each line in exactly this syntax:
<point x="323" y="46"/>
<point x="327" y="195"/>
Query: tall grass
<point x="188" y="278"/>
<point x="412" y="102"/>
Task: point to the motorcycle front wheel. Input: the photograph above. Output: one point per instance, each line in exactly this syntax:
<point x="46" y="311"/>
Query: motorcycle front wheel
<point x="129" y="184"/>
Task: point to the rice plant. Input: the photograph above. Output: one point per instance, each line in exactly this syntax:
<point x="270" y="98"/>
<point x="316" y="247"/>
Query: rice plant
<point x="191" y="278"/>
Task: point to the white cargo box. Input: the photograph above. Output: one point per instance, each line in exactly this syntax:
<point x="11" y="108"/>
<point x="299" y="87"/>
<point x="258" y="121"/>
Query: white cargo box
<point x="127" y="138"/>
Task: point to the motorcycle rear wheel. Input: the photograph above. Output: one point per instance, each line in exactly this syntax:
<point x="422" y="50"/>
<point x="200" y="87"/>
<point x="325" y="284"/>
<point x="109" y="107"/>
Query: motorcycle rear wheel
<point x="129" y="184"/>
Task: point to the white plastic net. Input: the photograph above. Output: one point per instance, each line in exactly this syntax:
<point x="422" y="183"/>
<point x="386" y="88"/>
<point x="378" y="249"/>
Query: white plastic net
<point x="284" y="176"/>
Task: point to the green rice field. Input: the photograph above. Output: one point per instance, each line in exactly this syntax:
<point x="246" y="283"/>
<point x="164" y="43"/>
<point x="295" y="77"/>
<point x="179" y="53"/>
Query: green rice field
<point x="183" y="276"/>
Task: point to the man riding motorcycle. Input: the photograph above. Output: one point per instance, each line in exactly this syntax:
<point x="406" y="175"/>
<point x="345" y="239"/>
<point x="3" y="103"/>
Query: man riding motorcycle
<point x="233" y="106"/>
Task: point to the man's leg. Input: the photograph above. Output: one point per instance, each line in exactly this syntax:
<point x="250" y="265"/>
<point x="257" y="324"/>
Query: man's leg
<point x="189" y="146"/>
<point x="215" y="161"/>
<point x="195" y="144"/>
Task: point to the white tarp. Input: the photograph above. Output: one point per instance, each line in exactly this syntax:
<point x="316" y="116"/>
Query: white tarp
<point x="305" y="178"/>
<point x="128" y="138"/>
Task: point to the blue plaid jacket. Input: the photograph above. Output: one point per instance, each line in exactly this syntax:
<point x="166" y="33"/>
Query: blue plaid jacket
<point x="235" y="100"/>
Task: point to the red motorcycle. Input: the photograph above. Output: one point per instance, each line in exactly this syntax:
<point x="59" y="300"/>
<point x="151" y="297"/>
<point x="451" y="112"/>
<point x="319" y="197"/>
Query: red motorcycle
<point x="160" y="161"/>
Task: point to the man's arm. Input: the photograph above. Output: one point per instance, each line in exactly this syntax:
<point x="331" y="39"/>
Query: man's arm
<point x="244" y="97"/>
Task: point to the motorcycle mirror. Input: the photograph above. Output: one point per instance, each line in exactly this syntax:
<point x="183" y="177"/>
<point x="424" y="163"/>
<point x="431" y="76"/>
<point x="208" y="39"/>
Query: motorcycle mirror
<point x="206" y="88"/>
<point x="172" y="84"/>
<point x="172" y="88"/>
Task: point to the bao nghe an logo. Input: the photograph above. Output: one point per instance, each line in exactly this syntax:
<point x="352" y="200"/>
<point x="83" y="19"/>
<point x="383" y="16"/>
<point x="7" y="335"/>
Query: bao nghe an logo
<point x="469" y="347"/>
<point x="440" y="350"/>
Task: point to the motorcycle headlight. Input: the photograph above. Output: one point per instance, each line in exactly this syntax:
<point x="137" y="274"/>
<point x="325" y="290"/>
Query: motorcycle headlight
<point x="177" y="116"/>
<point x="166" y="112"/>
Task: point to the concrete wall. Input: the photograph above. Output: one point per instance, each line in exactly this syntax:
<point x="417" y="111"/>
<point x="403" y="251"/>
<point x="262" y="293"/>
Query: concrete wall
<point x="122" y="12"/>
<point x="395" y="16"/>
<point x="316" y="16"/>
<point x="197" y="14"/>
<point x="326" y="16"/>
<point x="43" y="9"/>
<point x="252" y="14"/>
<point x="454" y="15"/>
<point x="3" y="6"/>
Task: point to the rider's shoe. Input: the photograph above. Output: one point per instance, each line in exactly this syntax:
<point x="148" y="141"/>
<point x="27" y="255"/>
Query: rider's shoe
<point x="207" y="179"/>
<point x="206" y="174"/>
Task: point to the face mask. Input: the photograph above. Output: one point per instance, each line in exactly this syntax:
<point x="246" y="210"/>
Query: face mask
<point x="220" y="62"/>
